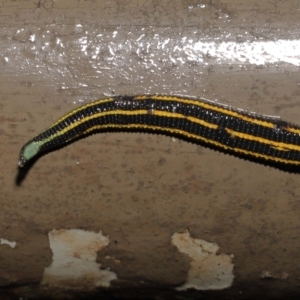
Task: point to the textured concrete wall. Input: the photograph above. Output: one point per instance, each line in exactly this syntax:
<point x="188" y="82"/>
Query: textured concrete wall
<point x="123" y="213"/>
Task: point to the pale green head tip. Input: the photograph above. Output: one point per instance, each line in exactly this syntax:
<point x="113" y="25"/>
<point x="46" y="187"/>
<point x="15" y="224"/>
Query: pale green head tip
<point x="28" y="152"/>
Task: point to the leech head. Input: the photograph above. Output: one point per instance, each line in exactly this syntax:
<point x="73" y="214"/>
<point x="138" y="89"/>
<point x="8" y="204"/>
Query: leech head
<point x="28" y="152"/>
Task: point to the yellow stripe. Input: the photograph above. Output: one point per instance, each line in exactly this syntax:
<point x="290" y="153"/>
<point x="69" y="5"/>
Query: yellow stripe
<point x="292" y="130"/>
<point x="79" y="109"/>
<point x="197" y="137"/>
<point x="278" y="145"/>
<point x="198" y="103"/>
<point x="279" y="148"/>
<point x="128" y="113"/>
<point x="192" y="119"/>
<point x="206" y="105"/>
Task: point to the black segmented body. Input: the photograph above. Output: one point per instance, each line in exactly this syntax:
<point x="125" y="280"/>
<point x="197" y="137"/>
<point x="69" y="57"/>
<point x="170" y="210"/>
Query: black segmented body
<point x="239" y="132"/>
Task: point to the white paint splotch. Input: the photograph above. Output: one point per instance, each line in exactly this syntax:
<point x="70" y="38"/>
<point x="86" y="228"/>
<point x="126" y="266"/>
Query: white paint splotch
<point x="208" y="271"/>
<point x="12" y="244"/>
<point x="74" y="260"/>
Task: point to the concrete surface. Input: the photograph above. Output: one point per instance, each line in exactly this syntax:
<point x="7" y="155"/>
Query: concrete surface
<point x="135" y="191"/>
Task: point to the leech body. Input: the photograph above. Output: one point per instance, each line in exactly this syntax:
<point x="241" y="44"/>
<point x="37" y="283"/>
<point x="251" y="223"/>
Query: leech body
<point x="238" y="132"/>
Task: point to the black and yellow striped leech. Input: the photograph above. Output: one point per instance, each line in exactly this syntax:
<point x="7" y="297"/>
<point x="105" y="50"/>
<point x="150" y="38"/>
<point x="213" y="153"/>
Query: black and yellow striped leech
<point x="267" y="139"/>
